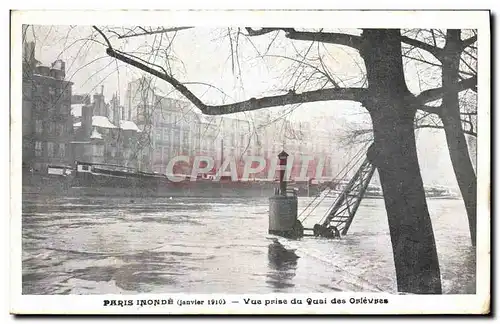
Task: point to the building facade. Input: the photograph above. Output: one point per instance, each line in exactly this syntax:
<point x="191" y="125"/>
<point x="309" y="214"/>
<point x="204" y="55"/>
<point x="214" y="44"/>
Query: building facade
<point x="175" y="130"/>
<point x="172" y="127"/>
<point x="46" y="110"/>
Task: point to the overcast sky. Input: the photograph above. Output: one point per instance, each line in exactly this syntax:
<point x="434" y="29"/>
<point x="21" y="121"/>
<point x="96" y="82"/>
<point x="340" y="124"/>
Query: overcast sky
<point x="204" y="55"/>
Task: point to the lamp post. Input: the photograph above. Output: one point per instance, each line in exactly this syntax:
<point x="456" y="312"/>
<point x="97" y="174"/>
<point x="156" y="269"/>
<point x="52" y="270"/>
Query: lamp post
<point x="283" y="159"/>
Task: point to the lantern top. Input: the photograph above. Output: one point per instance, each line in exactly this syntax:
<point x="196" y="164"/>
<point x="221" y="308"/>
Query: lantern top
<point x="282" y="155"/>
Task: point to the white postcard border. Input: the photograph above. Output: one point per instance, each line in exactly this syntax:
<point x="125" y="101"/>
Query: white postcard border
<point x="398" y="304"/>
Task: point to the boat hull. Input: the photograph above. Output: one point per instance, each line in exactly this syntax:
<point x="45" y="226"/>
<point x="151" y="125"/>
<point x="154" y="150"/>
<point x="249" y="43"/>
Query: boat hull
<point x="90" y="185"/>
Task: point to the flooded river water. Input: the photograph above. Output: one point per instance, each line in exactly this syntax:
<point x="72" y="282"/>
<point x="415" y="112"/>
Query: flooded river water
<point x="188" y="245"/>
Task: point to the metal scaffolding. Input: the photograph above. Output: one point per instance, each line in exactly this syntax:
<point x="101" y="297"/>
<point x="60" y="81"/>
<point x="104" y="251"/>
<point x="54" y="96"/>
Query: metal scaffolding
<point x="342" y="212"/>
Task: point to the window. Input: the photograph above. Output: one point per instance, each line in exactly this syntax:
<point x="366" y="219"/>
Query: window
<point x="166" y="134"/>
<point x="158" y="154"/>
<point x="38" y="106"/>
<point x="38" y="127"/>
<point x="52" y="127"/>
<point x="158" y="135"/>
<point x="52" y="91"/>
<point x="60" y="129"/>
<point x="185" y="139"/>
<point x="177" y="137"/>
<point x="62" y="150"/>
<point x="197" y="143"/>
<point x="98" y="150"/>
<point x="64" y="108"/>
<point x="164" y="153"/>
<point x="50" y="149"/>
<point x="38" y="148"/>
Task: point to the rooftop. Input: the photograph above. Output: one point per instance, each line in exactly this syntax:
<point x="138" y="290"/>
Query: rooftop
<point x="102" y="121"/>
<point x="129" y="125"/>
<point x="50" y="77"/>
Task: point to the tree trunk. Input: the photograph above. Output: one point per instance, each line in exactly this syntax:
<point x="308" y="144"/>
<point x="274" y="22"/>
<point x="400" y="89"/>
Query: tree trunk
<point x="392" y="110"/>
<point x="455" y="138"/>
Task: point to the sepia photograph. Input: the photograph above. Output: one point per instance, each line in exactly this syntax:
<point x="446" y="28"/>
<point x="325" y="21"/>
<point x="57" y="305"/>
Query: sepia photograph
<point x="241" y="162"/>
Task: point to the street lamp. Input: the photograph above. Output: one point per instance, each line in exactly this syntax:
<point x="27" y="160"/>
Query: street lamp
<point x="283" y="156"/>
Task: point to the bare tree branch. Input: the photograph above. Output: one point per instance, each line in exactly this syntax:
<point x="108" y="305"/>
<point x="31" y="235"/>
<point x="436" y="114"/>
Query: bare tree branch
<point x="434" y="37"/>
<point x="437" y="93"/>
<point x="437" y="65"/>
<point x="422" y="61"/>
<point x="308" y="65"/>
<point x="331" y="38"/>
<point x="103" y="36"/>
<point x="468" y="42"/>
<point x="468" y="66"/>
<point x="441" y="127"/>
<point x="262" y="31"/>
<point x="152" y="32"/>
<point x="352" y="94"/>
<point x="434" y="50"/>
<point x="431" y="110"/>
<point x="470" y="55"/>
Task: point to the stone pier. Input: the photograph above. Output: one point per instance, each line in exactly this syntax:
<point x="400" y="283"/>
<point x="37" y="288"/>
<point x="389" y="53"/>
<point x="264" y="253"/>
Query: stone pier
<point x="283" y="217"/>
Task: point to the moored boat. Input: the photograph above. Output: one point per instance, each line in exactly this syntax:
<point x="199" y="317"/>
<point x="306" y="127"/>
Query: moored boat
<point x="105" y="180"/>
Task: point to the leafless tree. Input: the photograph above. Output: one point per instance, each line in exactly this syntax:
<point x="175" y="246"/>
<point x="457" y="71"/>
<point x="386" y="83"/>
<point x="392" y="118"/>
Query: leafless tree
<point x="443" y="57"/>
<point x="392" y="108"/>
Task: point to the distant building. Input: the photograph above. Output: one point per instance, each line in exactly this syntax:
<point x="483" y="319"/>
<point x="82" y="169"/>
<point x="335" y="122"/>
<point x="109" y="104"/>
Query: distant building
<point x="209" y="138"/>
<point x="174" y="129"/>
<point x="170" y="127"/>
<point x="307" y="143"/>
<point x="102" y="137"/>
<point x="77" y="103"/>
<point x="46" y="110"/>
<point x="235" y="140"/>
<point x="139" y="98"/>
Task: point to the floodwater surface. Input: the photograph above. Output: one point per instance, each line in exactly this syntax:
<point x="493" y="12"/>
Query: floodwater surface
<point x="189" y="245"/>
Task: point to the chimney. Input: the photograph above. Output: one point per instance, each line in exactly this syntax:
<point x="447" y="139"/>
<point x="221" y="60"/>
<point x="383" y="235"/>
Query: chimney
<point x="108" y="110"/>
<point x="97" y="105"/>
<point x="116" y="111"/>
<point x="87" y="121"/>
<point x="58" y="69"/>
<point x="102" y="89"/>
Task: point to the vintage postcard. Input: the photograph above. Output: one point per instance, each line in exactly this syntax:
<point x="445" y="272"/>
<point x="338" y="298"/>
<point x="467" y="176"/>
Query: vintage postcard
<point x="250" y="162"/>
